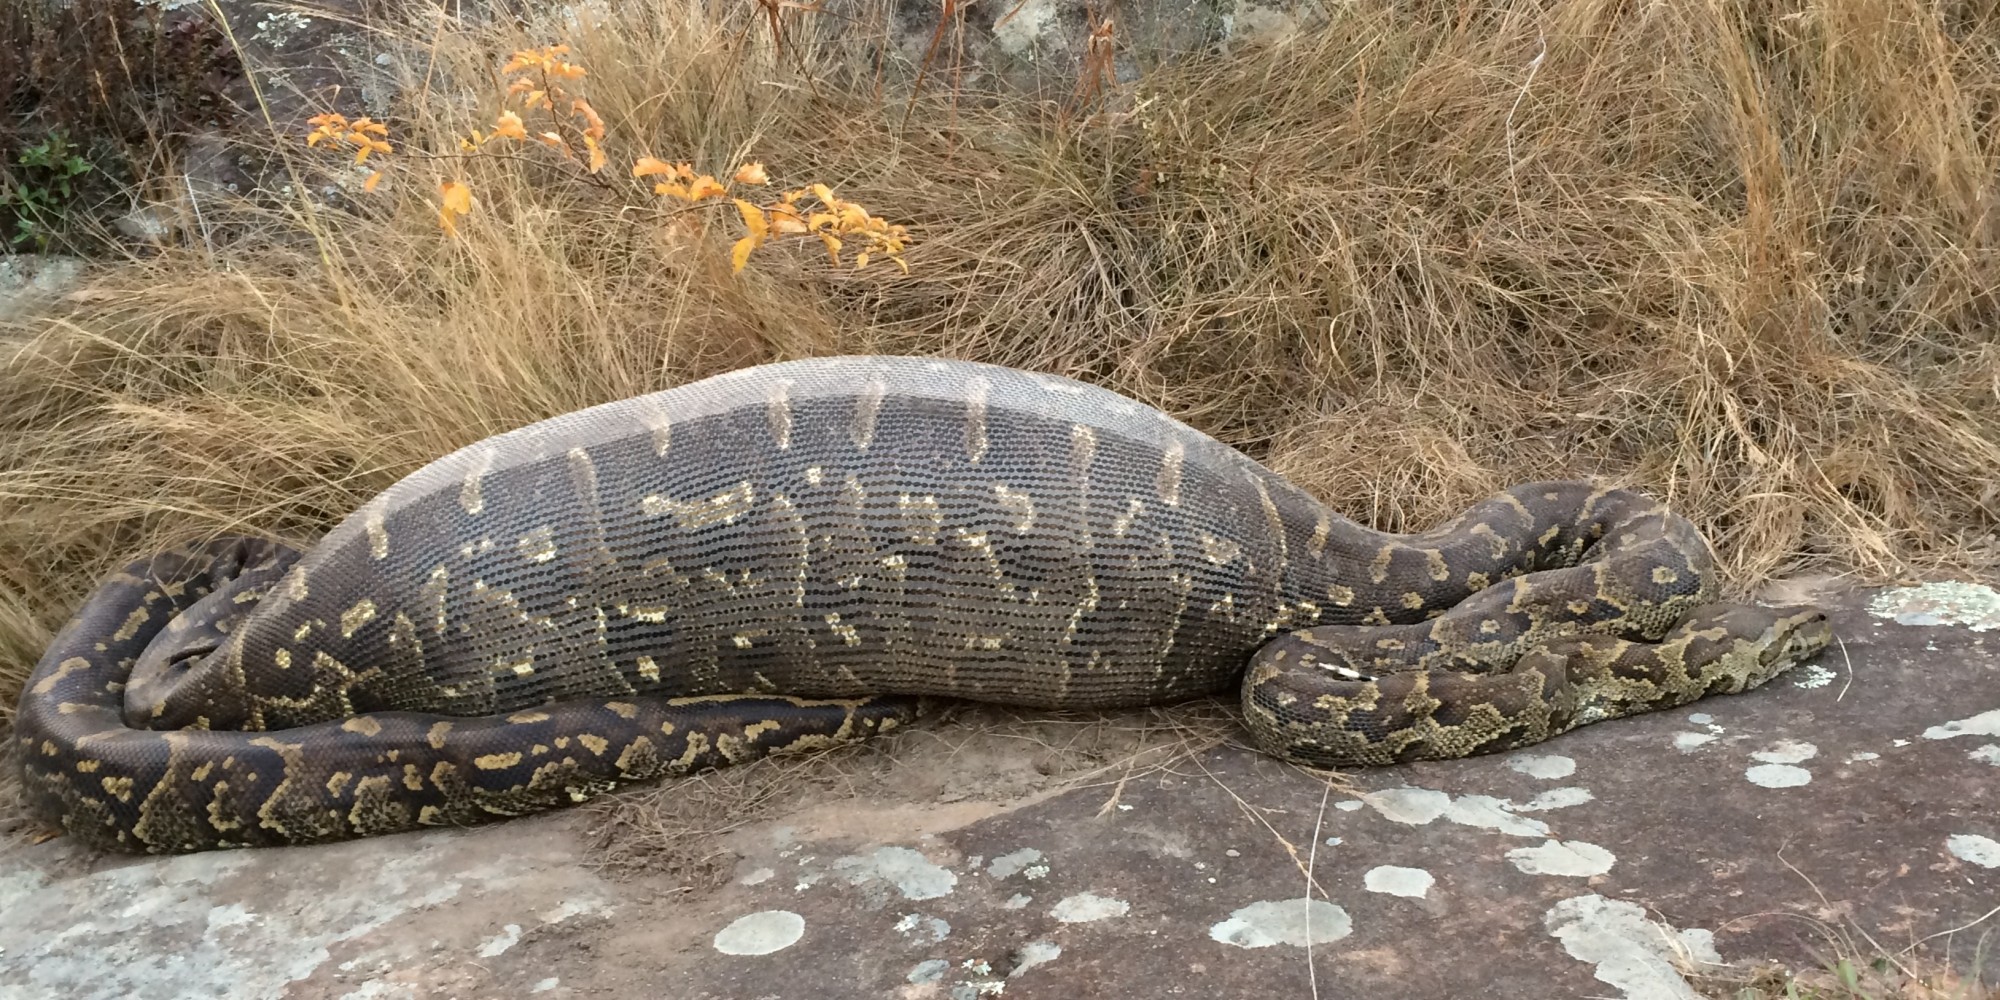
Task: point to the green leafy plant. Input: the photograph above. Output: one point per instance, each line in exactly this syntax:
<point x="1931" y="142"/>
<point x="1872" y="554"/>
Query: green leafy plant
<point x="42" y="189"/>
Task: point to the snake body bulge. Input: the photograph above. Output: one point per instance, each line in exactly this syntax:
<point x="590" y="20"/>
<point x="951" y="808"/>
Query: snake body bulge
<point x="784" y="556"/>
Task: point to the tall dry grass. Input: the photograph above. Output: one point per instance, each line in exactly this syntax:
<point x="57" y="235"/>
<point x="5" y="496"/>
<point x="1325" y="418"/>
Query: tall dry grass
<point x="1744" y="256"/>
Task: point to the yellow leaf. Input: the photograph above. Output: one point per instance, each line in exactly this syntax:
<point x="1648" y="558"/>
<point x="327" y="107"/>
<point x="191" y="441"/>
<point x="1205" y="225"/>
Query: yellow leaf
<point x="647" y="165"/>
<point x="861" y="260"/>
<point x="673" y="189"/>
<point x="751" y="173"/>
<point x="510" y="125"/>
<point x="551" y="139"/>
<point x="361" y="155"/>
<point x="705" y="187"/>
<point x="902" y="264"/>
<point x="597" y="157"/>
<point x="832" y="247"/>
<point x="825" y="195"/>
<point x="594" y="126"/>
<point x="373" y="179"/>
<point x="313" y="139"/>
<point x="739" y="254"/>
<point x="753" y="219"/>
<point x="456" y="201"/>
<point x="785" y="221"/>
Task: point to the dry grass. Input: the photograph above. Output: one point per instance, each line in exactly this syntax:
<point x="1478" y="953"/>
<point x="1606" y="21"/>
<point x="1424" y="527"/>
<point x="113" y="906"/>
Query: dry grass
<point x="1744" y="256"/>
<point x="1856" y="973"/>
<point x="1856" y="965"/>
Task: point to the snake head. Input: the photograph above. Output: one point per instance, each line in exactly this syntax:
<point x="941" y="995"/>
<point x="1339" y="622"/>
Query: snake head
<point x="1795" y="635"/>
<point x="1764" y="642"/>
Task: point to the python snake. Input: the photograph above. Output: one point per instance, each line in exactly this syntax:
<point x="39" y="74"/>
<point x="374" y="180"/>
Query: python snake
<point x="805" y="553"/>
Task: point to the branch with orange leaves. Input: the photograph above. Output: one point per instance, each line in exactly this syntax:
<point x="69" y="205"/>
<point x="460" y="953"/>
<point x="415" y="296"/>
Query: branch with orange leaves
<point x="838" y="217"/>
<point x="538" y="84"/>
<point x="366" y="135"/>
<point x="539" y="75"/>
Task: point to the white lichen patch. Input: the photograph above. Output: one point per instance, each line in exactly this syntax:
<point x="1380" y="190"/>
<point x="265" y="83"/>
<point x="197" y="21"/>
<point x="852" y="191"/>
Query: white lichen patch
<point x="570" y="908"/>
<point x="1972" y="605"/>
<point x="1034" y="953"/>
<point x="1419" y="806"/>
<point x="1983" y="724"/>
<point x="1787" y="752"/>
<point x="1690" y="742"/>
<point x="1026" y="30"/>
<point x="1023" y="861"/>
<point x="508" y="937"/>
<point x="1981" y="851"/>
<point x="231" y="923"/>
<point x="1988" y="754"/>
<point x="1575" y="859"/>
<point x="761" y="933"/>
<point x="1859" y="756"/>
<point x="1348" y="805"/>
<point x="1412" y="883"/>
<point x="1557" y="798"/>
<point x="973" y="989"/>
<point x="1017" y="901"/>
<point x="912" y="875"/>
<point x="1634" y="954"/>
<point x="280" y="28"/>
<point x="1085" y="907"/>
<point x="929" y="971"/>
<point x="1812" y="675"/>
<point x="1778" y="775"/>
<point x="1545" y="766"/>
<point x="1296" y="922"/>
<point x="922" y="929"/>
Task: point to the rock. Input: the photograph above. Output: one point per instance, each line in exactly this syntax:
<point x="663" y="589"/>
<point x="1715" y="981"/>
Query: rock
<point x="28" y="281"/>
<point x="147" y="223"/>
<point x="1196" y="889"/>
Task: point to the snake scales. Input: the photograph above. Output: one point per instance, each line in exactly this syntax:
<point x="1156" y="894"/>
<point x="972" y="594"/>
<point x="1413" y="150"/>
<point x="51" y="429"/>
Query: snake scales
<point x="802" y="553"/>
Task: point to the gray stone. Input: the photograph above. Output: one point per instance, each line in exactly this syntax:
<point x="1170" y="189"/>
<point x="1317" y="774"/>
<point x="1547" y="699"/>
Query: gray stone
<point x="30" y="281"/>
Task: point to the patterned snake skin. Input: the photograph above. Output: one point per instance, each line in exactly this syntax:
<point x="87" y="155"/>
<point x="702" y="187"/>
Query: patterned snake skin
<point x="800" y="554"/>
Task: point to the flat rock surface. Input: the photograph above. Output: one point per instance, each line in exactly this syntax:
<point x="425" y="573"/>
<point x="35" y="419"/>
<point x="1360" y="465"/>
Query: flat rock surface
<point x="1862" y="793"/>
